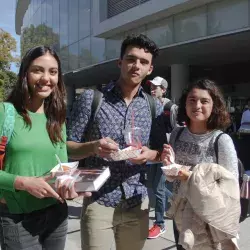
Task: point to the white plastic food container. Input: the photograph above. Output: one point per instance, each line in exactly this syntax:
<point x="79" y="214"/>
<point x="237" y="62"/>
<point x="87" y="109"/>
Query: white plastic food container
<point x="125" y="154"/>
<point x="66" y="169"/>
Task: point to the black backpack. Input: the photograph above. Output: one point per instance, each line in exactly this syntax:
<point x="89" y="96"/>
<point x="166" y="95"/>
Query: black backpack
<point x="167" y="117"/>
<point x="243" y="202"/>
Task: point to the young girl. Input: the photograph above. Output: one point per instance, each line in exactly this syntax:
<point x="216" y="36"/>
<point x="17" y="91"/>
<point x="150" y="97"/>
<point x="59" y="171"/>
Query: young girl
<point x="203" y="110"/>
<point x="33" y="215"/>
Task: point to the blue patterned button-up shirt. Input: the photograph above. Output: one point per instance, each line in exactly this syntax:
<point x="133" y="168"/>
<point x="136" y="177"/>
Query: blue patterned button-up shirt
<point x="126" y="185"/>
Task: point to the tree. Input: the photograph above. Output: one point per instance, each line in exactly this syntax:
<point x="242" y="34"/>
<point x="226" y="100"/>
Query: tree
<point x="41" y="35"/>
<point x="7" y="78"/>
<point x="7" y="48"/>
<point x="3" y="79"/>
<point x="7" y="81"/>
<point x="8" y="86"/>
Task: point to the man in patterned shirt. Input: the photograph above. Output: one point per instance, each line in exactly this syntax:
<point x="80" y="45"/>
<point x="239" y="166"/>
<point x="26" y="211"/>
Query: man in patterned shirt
<point x="120" y="208"/>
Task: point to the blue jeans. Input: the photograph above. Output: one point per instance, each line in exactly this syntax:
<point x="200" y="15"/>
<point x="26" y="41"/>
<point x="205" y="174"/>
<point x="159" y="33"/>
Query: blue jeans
<point x="162" y="190"/>
<point x="45" y="229"/>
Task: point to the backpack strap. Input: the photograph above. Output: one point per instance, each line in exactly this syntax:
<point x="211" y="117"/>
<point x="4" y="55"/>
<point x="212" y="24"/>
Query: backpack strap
<point x="168" y="106"/>
<point x="7" y="130"/>
<point x="241" y="169"/>
<point x="167" y="117"/>
<point x="179" y="132"/>
<point x="216" y="146"/>
<point x="95" y="106"/>
<point x="9" y="120"/>
<point x="151" y="103"/>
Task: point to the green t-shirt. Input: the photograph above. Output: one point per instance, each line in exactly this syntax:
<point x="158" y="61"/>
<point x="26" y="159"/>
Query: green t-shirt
<point x="30" y="152"/>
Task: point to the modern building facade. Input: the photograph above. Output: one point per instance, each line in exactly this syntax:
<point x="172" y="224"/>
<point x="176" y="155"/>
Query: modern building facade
<point x="196" y="37"/>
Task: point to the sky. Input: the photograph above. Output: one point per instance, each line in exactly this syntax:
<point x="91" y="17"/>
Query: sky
<point x="7" y="23"/>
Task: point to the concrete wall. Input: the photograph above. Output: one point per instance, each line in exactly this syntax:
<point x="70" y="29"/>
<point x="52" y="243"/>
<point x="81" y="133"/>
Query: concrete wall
<point x="134" y="17"/>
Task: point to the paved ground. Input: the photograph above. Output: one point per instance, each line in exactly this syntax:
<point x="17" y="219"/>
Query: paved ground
<point x="165" y="242"/>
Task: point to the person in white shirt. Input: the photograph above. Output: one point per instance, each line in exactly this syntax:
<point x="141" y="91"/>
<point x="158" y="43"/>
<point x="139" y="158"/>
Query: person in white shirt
<point x="245" y="119"/>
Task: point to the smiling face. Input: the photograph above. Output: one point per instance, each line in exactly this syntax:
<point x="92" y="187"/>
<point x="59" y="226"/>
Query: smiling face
<point x="135" y="65"/>
<point x="199" y="105"/>
<point x="42" y="76"/>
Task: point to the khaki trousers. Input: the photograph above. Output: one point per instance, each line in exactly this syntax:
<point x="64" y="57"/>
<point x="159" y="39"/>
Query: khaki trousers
<point x="101" y="225"/>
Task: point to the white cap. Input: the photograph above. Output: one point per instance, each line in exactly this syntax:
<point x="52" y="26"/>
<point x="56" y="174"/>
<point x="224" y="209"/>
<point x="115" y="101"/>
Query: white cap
<point x="159" y="81"/>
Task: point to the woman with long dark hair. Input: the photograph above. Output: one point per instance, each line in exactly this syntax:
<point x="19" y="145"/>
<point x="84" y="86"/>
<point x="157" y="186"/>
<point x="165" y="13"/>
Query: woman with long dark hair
<point x="32" y="214"/>
<point x="202" y="108"/>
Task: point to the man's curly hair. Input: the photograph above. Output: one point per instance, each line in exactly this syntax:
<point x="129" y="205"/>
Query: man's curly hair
<point x="140" y="41"/>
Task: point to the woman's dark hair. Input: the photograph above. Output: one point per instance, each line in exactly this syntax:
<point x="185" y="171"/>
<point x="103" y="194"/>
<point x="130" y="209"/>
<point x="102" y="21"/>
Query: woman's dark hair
<point x="219" y="118"/>
<point x="54" y="105"/>
<point x="140" y="41"/>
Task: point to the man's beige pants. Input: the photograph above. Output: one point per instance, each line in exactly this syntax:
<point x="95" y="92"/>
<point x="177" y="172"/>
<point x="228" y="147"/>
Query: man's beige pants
<point x="100" y="225"/>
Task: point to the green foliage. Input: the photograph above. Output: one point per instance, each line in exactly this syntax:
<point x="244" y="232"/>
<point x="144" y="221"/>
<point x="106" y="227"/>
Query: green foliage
<point x="7" y="81"/>
<point x="34" y="36"/>
<point x="7" y="48"/>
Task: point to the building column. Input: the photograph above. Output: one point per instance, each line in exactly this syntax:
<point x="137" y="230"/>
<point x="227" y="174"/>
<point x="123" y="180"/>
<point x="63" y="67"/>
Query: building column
<point x="70" y="89"/>
<point x="179" y="80"/>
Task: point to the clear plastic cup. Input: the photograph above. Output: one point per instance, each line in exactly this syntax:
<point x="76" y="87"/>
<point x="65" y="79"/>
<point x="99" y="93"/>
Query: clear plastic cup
<point x="132" y="137"/>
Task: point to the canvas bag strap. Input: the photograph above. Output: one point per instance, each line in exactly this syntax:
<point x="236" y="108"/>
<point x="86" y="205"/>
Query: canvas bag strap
<point x="9" y="120"/>
<point x="7" y="130"/>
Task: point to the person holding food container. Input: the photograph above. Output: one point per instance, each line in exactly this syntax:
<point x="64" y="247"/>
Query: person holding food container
<point x="203" y="109"/>
<point x="119" y="209"/>
<point x="32" y="213"/>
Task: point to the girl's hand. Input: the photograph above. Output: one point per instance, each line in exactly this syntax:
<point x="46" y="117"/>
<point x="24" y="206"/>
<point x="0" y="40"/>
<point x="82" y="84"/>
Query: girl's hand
<point x="167" y="156"/>
<point x="104" y="147"/>
<point x="36" y="186"/>
<point x="183" y="175"/>
<point x="66" y="190"/>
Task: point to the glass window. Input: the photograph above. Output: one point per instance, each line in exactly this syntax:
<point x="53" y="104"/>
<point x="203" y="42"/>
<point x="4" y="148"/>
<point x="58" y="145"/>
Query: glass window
<point x="43" y="28"/>
<point x="97" y="49"/>
<point x="55" y="24"/>
<point x="49" y="13"/>
<point x="38" y="17"/>
<point x="36" y="5"/>
<point x="161" y="32"/>
<point x="55" y="16"/>
<point x="25" y="19"/>
<point x="73" y="21"/>
<point x="113" y="46"/>
<point x="64" y="56"/>
<point x="84" y="18"/>
<point x="44" y="18"/>
<point x="32" y="3"/>
<point x="28" y="16"/>
<point x="63" y="23"/>
<point x="227" y="15"/>
<point x="190" y="25"/>
<point x="84" y="52"/>
<point x="103" y="10"/>
<point x="73" y="56"/>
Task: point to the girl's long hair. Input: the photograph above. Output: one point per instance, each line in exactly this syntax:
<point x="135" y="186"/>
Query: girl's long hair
<point x="54" y="104"/>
